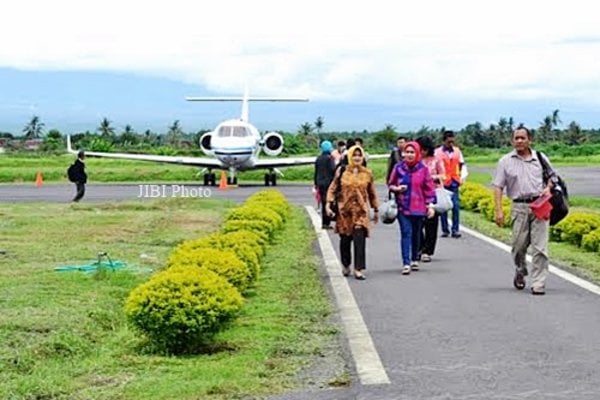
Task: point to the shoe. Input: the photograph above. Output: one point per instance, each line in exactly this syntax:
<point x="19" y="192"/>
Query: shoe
<point x="445" y="234"/>
<point x="538" y="292"/>
<point x="326" y="227"/>
<point x="519" y="281"/>
<point x="346" y="271"/>
<point x="414" y="266"/>
<point x="456" y="235"/>
<point x="425" y="257"/>
<point x="359" y="276"/>
<point x="406" y="270"/>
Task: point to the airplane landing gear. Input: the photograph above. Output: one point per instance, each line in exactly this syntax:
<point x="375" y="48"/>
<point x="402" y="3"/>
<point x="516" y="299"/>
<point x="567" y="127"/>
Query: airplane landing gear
<point x="232" y="181"/>
<point x="210" y="179"/>
<point x="270" y="178"/>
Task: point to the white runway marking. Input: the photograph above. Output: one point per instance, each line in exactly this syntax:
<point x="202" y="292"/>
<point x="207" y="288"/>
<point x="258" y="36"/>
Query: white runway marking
<point x="555" y="270"/>
<point x="368" y="364"/>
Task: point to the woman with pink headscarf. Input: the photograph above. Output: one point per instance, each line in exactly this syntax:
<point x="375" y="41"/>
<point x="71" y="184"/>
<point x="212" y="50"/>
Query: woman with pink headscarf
<point x="415" y="194"/>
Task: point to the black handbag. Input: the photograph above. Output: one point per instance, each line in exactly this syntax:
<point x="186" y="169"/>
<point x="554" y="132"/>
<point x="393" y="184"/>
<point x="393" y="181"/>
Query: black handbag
<point x="560" y="194"/>
<point x="334" y="206"/>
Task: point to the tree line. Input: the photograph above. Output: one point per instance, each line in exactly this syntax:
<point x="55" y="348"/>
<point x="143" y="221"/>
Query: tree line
<point x="307" y="136"/>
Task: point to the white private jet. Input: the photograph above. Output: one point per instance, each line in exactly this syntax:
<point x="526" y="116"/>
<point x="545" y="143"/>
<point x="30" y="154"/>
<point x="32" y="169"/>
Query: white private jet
<point x="235" y="145"/>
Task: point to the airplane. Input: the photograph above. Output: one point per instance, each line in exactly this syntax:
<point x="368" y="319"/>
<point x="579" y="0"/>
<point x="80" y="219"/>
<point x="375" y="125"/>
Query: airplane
<point x="234" y="145"/>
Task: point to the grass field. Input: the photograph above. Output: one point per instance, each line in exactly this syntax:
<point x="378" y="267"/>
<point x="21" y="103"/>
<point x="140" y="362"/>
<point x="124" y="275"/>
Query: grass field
<point x="18" y="169"/>
<point x="63" y="335"/>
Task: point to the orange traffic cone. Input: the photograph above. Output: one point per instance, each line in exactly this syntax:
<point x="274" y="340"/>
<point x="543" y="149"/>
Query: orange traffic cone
<point x="38" y="179"/>
<point x="223" y="181"/>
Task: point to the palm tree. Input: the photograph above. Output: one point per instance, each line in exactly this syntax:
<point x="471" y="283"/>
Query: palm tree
<point x="319" y="124"/>
<point x="34" y="128"/>
<point x="306" y="128"/>
<point x="175" y="133"/>
<point x="106" y="131"/>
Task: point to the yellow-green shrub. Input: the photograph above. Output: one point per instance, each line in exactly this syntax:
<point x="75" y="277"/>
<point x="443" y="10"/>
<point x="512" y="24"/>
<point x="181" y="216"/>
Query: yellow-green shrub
<point x="249" y="254"/>
<point x="180" y="309"/>
<point x="271" y="199"/>
<point x="221" y="261"/>
<point x="575" y="226"/>
<point x="471" y="194"/>
<point x="262" y="228"/>
<point x="487" y="208"/>
<point x="255" y="212"/>
<point x="591" y="241"/>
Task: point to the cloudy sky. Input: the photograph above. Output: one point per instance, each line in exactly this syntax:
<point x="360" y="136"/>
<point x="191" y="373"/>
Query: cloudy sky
<point x="362" y="64"/>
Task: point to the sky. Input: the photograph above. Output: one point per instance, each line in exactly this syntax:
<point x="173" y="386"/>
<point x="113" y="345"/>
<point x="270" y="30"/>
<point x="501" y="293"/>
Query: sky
<point x="363" y="65"/>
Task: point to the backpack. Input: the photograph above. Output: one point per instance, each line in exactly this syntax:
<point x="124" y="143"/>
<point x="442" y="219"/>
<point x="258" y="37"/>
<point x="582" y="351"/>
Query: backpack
<point x="72" y="173"/>
<point x="560" y="194"/>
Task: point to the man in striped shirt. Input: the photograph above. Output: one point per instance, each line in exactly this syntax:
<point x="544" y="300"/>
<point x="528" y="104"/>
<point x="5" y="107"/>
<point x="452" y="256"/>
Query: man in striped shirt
<point x="521" y="173"/>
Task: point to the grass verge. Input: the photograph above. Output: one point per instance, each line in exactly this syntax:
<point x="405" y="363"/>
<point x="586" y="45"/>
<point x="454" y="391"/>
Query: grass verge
<point x="569" y="257"/>
<point x="64" y="335"/>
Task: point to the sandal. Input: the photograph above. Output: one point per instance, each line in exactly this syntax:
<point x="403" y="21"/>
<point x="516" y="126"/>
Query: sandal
<point x="519" y="281"/>
<point x="346" y="271"/>
<point x="359" y="276"/>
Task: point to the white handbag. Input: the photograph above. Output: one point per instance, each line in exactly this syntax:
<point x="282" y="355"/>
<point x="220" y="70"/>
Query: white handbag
<point x="389" y="210"/>
<point x="443" y="200"/>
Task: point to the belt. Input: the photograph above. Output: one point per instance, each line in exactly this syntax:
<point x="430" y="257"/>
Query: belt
<point x="526" y="200"/>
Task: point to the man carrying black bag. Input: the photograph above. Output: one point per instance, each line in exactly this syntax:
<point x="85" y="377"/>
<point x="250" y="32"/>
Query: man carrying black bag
<point x="526" y="175"/>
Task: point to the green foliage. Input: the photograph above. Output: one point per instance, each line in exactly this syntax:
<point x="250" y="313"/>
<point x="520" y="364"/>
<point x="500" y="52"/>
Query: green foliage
<point x="224" y="262"/>
<point x="255" y="212"/>
<point x="574" y="227"/>
<point x="181" y="309"/>
<point x="591" y="241"/>
<point x="262" y="228"/>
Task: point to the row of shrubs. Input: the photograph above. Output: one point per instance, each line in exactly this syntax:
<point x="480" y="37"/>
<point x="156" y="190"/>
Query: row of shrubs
<point x="201" y="289"/>
<point x="581" y="229"/>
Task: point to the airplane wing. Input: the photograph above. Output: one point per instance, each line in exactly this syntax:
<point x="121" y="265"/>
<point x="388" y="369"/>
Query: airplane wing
<point x="292" y="161"/>
<point x="181" y="160"/>
<point x="284" y="162"/>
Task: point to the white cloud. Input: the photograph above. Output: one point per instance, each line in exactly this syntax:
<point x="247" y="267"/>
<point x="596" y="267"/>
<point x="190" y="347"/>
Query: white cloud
<point x="329" y="50"/>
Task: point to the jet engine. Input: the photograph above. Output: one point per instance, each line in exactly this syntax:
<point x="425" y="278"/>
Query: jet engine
<point x="272" y="144"/>
<point x="205" y="144"/>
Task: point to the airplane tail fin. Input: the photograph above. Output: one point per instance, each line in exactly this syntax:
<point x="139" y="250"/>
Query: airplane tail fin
<point x="69" y="148"/>
<point x="245" y="100"/>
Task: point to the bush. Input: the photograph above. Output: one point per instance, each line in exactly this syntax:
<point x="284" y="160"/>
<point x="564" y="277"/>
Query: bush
<point x="574" y="227"/>
<point x="273" y="200"/>
<point x="262" y="228"/>
<point x="591" y="241"/>
<point x="247" y="250"/>
<point x="179" y="310"/>
<point x="223" y="262"/>
<point x="255" y="212"/>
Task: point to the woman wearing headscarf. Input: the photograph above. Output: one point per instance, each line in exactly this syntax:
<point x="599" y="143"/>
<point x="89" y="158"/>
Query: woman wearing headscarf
<point x="353" y="189"/>
<point x="415" y="195"/>
<point x="429" y="233"/>
<point x="324" y="169"/>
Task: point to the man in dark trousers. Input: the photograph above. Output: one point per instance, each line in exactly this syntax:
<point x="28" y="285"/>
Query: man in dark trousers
<point x="78" y="176"/>
<point x="324" y="171"/>
<point x="395" y="156"/>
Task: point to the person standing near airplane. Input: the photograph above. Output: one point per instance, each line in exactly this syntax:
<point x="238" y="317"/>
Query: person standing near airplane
<point x="456" y="173"/>
<point x="324" y="170"/>
<point x="77" y="175"/>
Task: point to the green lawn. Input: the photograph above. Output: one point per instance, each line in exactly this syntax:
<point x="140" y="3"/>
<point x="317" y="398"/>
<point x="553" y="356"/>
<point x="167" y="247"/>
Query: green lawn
<point x="63" y="335"/>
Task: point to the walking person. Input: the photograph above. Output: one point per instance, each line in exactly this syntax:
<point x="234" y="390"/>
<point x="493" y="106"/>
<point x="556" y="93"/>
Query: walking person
<point x="353" y="190"/>
<point x="324" y="170"/>
<point x="76" y="174"/>
<point x="337" y="153"/>
<point x="395" y="156"/>
<point x="429" y="232"/>
<point x="456" y="172"/>
<point x="520" y="172"/>
<point x="415" y="195"/>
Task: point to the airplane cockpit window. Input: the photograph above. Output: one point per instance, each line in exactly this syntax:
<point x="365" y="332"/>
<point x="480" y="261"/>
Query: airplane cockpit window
<point x="240" y="131"/>
<point x="225" y="131"/>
